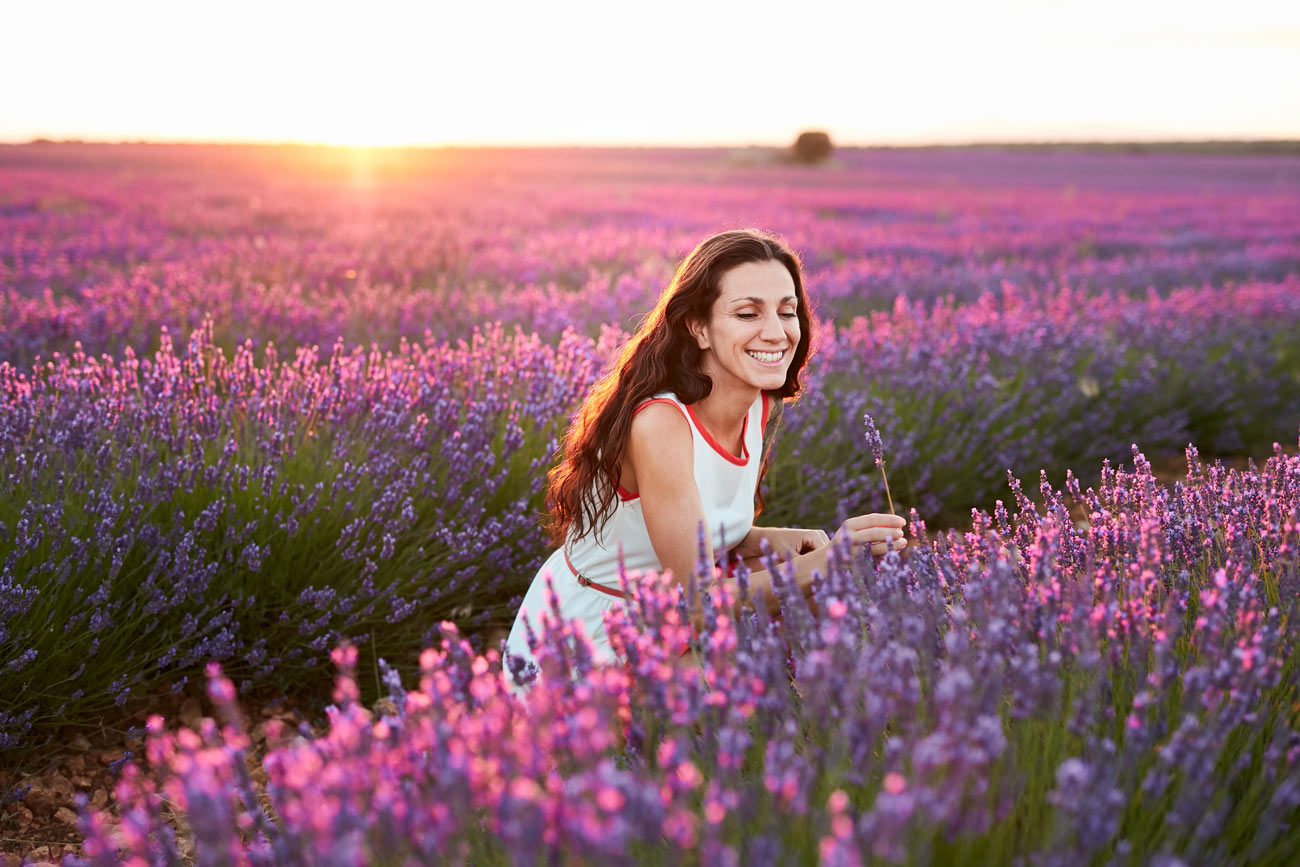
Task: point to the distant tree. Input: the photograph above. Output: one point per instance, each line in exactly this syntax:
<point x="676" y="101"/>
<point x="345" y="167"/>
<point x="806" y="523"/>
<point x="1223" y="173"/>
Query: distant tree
<point x="811" y="147"/>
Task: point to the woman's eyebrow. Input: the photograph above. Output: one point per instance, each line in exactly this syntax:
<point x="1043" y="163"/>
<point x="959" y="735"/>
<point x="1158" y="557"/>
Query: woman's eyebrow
<point x="756" y="300"/>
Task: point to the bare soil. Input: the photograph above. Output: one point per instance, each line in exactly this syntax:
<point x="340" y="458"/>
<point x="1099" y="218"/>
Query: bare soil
<point x="41" y="827"/>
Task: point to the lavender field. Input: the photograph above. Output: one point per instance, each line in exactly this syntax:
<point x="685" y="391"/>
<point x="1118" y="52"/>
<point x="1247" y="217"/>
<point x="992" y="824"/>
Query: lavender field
<point x="269" y="413"/>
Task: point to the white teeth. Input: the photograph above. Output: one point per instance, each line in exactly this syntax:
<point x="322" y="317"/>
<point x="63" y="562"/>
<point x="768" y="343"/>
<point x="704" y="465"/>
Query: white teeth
<point x="766" y="357"/>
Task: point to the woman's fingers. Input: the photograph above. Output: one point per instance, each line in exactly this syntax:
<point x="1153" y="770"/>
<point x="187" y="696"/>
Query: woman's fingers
<point x="879" y="539"/>
<point x="862" y="522"/>
<point x="880" y="533"/>
<point x="880" y="549"/>
<point x="875" y="534"/>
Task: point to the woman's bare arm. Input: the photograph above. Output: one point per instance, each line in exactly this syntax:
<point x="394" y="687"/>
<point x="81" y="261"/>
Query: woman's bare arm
<point x="661" y="457"/>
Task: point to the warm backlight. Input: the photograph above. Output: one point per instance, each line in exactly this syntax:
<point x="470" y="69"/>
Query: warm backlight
<point x="677" y="72"/>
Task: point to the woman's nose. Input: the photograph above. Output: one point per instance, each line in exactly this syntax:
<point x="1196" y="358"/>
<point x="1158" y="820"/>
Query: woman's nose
<point x="773" y="329"/>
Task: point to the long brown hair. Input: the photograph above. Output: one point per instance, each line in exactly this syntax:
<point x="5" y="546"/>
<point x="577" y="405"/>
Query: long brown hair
<point x="661" y="356"/>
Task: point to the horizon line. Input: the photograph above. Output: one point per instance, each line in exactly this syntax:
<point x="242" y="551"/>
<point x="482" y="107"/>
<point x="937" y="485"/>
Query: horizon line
<point x="920" y="144"/>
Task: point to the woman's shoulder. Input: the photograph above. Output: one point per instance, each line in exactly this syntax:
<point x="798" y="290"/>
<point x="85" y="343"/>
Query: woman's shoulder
<point x="660" y="414"/>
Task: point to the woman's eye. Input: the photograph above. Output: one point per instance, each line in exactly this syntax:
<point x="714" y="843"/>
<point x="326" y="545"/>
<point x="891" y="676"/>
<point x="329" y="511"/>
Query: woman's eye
<point x="746" y="316"/>
<point x="788" y="314"/>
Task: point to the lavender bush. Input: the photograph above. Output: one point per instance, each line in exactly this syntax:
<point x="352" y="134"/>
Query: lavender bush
<point x="1034" y="380"/>
<point x="1031" y="691"/>
<point x="157" y="513"/>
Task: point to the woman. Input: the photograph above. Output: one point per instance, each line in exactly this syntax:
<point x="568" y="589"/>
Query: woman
<point x="672" y="435"/>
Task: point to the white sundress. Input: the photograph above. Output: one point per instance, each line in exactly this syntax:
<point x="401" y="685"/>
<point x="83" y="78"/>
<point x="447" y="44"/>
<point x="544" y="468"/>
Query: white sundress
<point x="726" y="483"/>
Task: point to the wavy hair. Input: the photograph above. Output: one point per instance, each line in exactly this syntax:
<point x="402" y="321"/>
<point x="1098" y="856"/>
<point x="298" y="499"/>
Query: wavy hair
<point x="661" y="356"/>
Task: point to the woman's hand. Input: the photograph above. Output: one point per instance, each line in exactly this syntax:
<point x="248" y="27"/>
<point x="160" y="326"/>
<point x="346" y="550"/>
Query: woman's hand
<point x="794" y="539"/>
<point x="881" y="532"/>
<point x="799" y="540"/>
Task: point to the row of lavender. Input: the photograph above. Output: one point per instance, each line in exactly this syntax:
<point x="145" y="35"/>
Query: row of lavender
<point x="162" y="512"/>
<point x="1036" y="380"/>
<point x="106" y="245"/>
<point x="1031" y="691"/>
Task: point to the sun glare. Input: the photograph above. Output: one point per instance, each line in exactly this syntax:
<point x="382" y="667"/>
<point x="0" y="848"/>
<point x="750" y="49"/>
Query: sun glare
<point x="358" y="139"/>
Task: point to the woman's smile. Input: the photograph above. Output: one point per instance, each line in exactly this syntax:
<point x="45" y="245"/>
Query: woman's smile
<point x="767" y="359"/>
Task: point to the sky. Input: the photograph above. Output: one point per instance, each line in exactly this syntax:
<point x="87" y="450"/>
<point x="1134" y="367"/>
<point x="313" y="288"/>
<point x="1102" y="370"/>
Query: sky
<point x="697" y="73"/>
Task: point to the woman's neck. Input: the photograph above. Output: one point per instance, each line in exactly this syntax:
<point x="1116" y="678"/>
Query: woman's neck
<point x="723" y="412"/>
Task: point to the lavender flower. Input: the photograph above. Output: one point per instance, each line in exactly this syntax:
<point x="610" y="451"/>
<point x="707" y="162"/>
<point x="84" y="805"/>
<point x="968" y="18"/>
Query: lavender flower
<point x="878" y="452"/>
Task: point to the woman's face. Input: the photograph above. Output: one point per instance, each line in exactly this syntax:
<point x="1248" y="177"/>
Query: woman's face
<point x="753" y="328"/>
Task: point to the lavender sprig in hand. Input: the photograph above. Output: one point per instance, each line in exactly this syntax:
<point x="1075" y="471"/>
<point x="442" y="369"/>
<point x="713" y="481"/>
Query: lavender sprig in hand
<point x="878" y="452"/>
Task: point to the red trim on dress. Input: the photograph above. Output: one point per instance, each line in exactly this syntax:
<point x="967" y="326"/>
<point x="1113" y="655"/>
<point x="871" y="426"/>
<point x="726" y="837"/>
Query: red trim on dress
<point x="717" y="447"/>
<point x="646" y="403"/>
<point x="767" y="405"/>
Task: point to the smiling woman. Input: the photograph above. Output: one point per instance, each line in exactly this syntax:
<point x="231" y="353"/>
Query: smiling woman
<point x="666" y="452"/>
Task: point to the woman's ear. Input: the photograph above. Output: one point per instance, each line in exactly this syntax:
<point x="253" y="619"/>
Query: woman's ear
<point x="699" y="332"/>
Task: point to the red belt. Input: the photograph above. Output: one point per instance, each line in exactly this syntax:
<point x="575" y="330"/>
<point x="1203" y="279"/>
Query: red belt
<point x="587" y="582"/>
